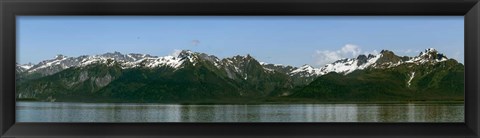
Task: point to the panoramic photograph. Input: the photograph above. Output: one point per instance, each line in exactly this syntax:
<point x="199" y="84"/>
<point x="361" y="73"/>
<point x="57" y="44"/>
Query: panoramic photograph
<point x="240" y="69"/>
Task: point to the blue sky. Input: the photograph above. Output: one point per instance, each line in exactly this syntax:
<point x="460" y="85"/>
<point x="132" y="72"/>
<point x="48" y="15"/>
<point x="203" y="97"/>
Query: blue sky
<point x="290" y="40"/>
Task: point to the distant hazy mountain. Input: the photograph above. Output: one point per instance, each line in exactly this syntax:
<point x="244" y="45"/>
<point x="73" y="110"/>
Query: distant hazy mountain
<point x="192" y="76"/>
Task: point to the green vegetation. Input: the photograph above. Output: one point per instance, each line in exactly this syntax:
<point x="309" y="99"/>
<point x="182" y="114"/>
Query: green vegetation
<point x="205" y="83"/>
<point x="443" y="81"/>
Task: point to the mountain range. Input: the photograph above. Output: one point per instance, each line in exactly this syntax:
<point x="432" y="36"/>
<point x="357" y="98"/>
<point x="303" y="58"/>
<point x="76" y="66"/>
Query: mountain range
<point x="191" y="77"/>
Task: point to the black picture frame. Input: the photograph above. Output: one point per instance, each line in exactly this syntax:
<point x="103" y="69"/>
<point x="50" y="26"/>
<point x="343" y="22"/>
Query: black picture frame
<point x="9" y="9"/>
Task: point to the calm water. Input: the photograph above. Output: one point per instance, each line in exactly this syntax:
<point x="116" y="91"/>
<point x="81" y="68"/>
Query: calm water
<point x="102" y="112"/>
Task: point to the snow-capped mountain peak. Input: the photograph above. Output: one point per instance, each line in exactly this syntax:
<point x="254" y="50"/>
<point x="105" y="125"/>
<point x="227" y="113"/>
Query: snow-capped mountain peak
<point x="185" y="54"/>
<point x="385" y="59"/>
<point x="23" y="68"/>
<point x="428" y="50"/>
<point x="48" y="64"/>
<point x="347" y="66"/>
<point x="306" y="71"/>
<point x="61" y="62"/>
<point x="429" y="55"/>
<point x="195" y="57"/>
<point x="238" y="64"/>
<point x="26" y="66"/>
<point x="153" y="62"/>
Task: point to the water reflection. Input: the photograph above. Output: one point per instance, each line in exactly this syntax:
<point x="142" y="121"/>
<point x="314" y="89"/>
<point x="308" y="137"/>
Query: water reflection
<point x="102" y="112"/>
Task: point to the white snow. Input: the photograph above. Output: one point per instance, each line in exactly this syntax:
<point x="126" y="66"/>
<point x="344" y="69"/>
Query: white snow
<point x="94" y="59"/>
<point x="130" y="56"/>
<point x="308" y="69"/>
<point x="425" y="57"/>
<point x="265" y="63"/>
<point x="217" y="63"/>
<point x="46" y="64"/>
<point x="411" y="78"/>
<point x="153" y="62"/>
<point x="26" y="66"/>
<point x="344" y="66"/>
<point x="267" y="69"/>
<point x="371" y="61"/>
<point x="348" y="66"/>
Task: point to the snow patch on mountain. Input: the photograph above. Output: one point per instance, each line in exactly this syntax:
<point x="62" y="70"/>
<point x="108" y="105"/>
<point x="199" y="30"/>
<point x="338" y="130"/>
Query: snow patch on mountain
<point x="48" y="63"/>
<point x="347" y="66"/>
<point x="430" y="55"/>
<point x="411" y="78"/>
<point x="344" y="66"/>
<point x="307" y="71"/>
<point x="232" y="65"/>
<point x="154" y="62"/>
<point x="26" y="66"/>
